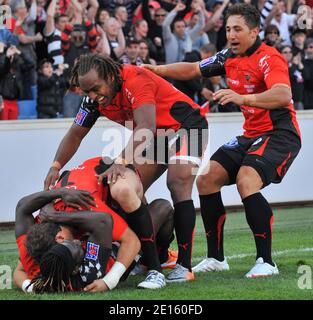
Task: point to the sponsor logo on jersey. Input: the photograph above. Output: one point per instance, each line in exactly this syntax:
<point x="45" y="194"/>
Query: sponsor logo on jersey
<point x="92" y="251"/>
<point x="257" y="141"/>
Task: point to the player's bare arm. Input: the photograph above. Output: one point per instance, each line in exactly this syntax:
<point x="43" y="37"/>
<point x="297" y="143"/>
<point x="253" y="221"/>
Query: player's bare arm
<point x="177" y="71"/>
<point x="277" y="97"/>
<point x="19" y="275"/>
<point x="67" y="148"/>
<point x="28" y="205"/>
<point x="144" y="118"/>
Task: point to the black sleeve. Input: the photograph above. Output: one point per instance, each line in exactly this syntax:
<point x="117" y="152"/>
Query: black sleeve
<point x="93" y="266"/>
<point x="88" y="113"/>
<point x="145" y="12"/>
<point x="214" y="66"/>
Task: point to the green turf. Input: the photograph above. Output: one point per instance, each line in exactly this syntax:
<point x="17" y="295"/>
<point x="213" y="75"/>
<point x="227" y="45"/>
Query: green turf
<point x="293" y="230"/>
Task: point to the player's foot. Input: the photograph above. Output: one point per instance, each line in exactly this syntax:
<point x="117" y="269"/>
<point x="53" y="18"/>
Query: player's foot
<point x="211" y="264"/>
<point x="170" y="263"/>
<point x="180" y="274"/>
<point x="154" y="280"/>
<point x="262" y="269"/>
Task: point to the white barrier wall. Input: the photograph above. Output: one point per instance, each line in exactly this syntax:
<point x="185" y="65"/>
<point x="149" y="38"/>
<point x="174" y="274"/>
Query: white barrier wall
<point x="28" y="148"/>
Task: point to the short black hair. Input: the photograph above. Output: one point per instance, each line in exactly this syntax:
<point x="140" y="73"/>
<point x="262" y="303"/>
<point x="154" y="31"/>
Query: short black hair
<point x="40" y="238"/>
<point x="250" y="14"/>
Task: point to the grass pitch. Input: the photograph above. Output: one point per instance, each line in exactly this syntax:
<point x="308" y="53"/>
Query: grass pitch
<point x="292" y="247"/>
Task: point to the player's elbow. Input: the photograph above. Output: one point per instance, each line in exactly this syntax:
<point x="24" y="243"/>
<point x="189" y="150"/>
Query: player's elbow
<point x="283" y="95"/>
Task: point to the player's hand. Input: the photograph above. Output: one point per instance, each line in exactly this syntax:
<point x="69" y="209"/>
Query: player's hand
<point x="77" y="199"/>
<point x="154" y="68"/>
<point x="51" y="178"/>
<point x="112" y="174"/>
<point x="225" y="96"/>
<point x="96" y="286"/>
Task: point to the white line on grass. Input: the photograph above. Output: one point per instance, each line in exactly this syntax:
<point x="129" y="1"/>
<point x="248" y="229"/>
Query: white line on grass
<point x="275" y="253"/>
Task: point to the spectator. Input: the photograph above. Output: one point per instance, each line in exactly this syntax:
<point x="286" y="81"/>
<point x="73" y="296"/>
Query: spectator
<point x="177" y="41"/>
<point x="144" y="53"/>
<point x="308" y="75"/>
<point x="55" y="25"/>
<point x="13" y="63"/>
<point x="155" y="29"/>
<point x="50" y="90"/>
<point x="132" y="53"/>
<point x="283" y="21"/>
<point x="102" y="16"/>
<point x="295" y="73"/>
<point x="130" y="5"/>
<point x="25" y="28"/>
<point x="199" y="38"/>
<point x="272" y="36"/>
<point x="114" y="40"/>
<point x="121" y="15"/>
<point x="298" y="40"/>
<point x="140" y="31"/>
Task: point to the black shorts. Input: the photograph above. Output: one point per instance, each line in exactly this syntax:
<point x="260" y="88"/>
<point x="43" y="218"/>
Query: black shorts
<point x="184" y="144"/>
<point x="270" y="155"/>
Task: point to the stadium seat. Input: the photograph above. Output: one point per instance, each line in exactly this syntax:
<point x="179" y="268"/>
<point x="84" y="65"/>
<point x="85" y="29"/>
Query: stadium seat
<point x="34" y="92"/>
<point x="27" y="109"/>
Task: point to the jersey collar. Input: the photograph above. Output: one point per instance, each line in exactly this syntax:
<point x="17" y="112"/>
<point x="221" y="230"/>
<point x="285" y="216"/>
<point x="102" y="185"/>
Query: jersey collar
<point x="254" y="47"/>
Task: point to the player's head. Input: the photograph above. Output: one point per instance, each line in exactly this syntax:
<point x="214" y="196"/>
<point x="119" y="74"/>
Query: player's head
<point x="56" y="267"/>
<point x="97" y="76"/>
<point x="41" y="237"/>
<point x="242" y="27"/>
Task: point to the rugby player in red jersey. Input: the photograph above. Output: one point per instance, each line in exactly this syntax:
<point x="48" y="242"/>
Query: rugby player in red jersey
<point x="69" y="197"/>
<point x="129" y="93"/>
<point x="258" y="79"/>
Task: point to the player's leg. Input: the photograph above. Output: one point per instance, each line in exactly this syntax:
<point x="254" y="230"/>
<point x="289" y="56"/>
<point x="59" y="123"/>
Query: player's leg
<point x="267" y="161"/>
<point x="222" y="170"/>
<point x="128" y="193"/>
<point x="162" y="214"/>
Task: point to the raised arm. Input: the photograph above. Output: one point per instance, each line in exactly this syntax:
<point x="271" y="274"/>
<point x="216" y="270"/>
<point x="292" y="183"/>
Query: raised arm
<point x="49" y="28"/>
<point x="31" y="203"/>
<point x="67" y="148"/>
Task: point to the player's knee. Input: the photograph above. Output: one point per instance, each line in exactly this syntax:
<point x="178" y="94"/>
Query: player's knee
<point x="161" y="207"/>
<point x="245" y="186"/>
<point x="179" y="185"/>
<point x="248" y="182"/>
<point x="122" y="192"/>
<point x="209" y="183"/>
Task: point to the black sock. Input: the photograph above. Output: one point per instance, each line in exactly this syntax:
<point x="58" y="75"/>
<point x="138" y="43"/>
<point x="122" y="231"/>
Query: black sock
<point x="213" y="217"/>
<point x="140" y="222"/>
<point x="184" y="221"/>
<point x="163" y="245"/>
<point x="260" y="218"/>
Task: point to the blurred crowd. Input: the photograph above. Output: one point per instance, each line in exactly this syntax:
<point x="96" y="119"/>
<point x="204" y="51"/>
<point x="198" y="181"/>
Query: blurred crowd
<point x="40" y="40"/>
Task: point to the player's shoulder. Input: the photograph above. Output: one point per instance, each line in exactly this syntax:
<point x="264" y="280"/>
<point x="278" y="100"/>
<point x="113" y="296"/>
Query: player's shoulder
<point x="267" y="52"/>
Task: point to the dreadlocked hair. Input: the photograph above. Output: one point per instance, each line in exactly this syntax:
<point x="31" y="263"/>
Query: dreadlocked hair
<point x="54" y="275"/>
<point x="106" y="68"/>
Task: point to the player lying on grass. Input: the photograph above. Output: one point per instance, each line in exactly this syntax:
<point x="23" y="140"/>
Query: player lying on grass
<point x="97" y="249"/>
<point x="84" y="177"/>
<point x="101" y="226"/>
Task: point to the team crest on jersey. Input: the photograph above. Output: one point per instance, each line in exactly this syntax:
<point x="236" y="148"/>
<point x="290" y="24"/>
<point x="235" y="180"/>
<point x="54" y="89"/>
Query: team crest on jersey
<point x="92" y="251"/>
<point x="81" y="116"/>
